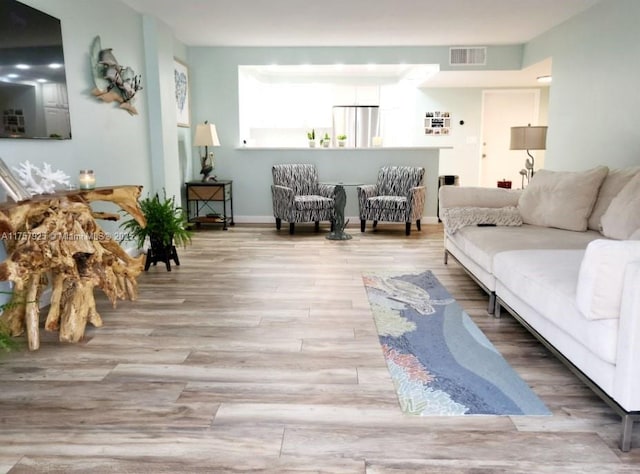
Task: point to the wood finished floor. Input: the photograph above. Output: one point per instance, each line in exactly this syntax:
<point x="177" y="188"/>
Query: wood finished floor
<point x="259" y="354"/>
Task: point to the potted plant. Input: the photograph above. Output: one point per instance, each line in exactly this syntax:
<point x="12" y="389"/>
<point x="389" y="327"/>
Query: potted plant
<point x="166" y="227"/>
<point x="312" y="138"/>
<point x="325" y="141"/>
<point x="342" y="140"/>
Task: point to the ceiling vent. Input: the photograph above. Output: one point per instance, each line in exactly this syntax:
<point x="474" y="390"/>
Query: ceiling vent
<point x="474" y="56"/>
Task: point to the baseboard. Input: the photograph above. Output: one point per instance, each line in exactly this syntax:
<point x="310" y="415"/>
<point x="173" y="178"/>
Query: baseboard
<point x="271" y="219"/>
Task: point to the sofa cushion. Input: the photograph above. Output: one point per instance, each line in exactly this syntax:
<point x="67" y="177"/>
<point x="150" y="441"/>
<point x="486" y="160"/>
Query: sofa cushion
<point x="312" y="201"/>
<point x="455" y="218"/>
<point x="561" y="199"/>
<point x="622" y="217"/>
<point x="611" y="186"/>
<point x="546" y="281"/>
<point x="481" y="244"/>
<point x="601" y="277"/>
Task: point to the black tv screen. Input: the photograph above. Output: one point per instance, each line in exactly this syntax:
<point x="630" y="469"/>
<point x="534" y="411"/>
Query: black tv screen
<point x="33" y="88"/>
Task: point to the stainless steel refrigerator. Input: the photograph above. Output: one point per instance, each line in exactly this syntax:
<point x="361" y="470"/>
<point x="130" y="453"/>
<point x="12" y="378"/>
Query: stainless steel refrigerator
<point x="360" y="123"/>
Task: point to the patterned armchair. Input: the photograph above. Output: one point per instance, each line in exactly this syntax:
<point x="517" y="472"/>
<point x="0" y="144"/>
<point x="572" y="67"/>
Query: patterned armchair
<point x="398" y="196"/>
<point x="299" y="197"/>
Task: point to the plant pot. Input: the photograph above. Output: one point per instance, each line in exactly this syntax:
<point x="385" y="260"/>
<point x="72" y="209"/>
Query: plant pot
<point x="159" y="252"/>
<point x="325" y="144"/>
<point x="342" y="143"/>
<point x="312" y="143"/>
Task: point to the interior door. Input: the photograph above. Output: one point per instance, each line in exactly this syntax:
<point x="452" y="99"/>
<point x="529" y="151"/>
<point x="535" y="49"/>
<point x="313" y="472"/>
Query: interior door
<point x="501" y="110"/>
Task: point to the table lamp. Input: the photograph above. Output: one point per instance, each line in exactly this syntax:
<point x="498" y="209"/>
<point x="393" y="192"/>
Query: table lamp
<point x="528" y="138"/>
<point x="206" y="136"/>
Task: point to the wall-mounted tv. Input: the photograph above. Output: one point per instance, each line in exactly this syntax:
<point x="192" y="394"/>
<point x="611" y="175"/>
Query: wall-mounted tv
<point x="33" y="88"/>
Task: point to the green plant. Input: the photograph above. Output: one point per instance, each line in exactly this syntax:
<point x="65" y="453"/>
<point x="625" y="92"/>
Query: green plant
<point x="166" y="223"/>
<point x="341" y="137"/>
<point x="326" y="137"/>
<point x="312" y="134"/>
<point x="7" y="343"/>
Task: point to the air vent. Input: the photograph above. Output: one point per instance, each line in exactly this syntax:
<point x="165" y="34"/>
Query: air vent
<point x="474" y="56"/>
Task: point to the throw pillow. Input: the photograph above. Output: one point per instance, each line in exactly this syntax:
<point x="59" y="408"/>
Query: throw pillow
<point x="601" y="277"/>
<point x="456" y="217"/>
<point x="562" y="199"/>
<point x="611" y="187"/>
<point x="622" y="217"/>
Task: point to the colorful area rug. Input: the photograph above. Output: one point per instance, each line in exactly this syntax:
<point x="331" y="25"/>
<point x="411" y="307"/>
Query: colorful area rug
<point x="439" y="360"/>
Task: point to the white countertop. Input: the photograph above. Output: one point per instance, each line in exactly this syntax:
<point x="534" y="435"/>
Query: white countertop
<point x="382" y="148"/>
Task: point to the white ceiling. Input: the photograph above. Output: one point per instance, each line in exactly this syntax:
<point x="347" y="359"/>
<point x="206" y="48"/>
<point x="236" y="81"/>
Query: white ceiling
<point x="371" y="23"/>
<point x="359" y="22"/>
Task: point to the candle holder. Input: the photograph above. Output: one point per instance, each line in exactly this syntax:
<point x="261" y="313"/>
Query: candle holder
<point x="87" y="180"/>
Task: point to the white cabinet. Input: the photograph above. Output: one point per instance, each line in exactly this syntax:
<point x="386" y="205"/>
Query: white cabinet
<point x="57" y="122"/>
<point x="55" y="95"/>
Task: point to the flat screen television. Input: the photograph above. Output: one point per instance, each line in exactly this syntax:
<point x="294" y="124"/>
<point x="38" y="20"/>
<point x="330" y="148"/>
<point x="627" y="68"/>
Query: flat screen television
<point x="33" y="87"/>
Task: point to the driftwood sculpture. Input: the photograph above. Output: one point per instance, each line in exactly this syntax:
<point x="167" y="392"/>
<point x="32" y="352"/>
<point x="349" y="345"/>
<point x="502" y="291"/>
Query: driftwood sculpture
<point x="55" y="240"/>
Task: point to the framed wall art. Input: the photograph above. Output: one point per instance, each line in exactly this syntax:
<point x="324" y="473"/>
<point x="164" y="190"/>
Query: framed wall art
<point x="437" y="123"/>
<point x="181" y="78"/>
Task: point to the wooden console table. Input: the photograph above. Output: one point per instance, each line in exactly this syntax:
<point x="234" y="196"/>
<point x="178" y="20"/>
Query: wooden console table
<point x="55" y="239"/>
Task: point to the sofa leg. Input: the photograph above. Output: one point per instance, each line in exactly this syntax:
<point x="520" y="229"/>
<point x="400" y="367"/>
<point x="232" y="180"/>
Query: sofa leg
<point x="363" y="224"/>
<point x="292" y="228"/>
<point x="492" y="303"/>
<point x="317" y="226"/>
<point x="278" y="223"/>
<point x="446" y="257"/>
<point x="407" y="228"/>
<point x="333" y="225"/>
<point x="418" y="225"/>
<point x="497" y="309"/>
<point x="375" y="224"/>
<point x="627" y="428"/>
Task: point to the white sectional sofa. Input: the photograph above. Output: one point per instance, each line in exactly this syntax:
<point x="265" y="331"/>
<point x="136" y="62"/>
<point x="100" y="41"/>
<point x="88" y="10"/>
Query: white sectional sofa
<point x="562" y="256"/>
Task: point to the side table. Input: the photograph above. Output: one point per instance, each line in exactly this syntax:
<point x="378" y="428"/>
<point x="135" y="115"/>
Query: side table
<point x="204" y="200"/>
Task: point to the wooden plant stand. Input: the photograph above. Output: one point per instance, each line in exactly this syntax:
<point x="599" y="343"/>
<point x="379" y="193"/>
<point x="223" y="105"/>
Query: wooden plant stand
<point x="55" y="239"/>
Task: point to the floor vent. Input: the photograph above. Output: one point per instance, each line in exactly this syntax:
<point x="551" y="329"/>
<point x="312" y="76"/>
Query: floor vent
<point x="474" y="56"/>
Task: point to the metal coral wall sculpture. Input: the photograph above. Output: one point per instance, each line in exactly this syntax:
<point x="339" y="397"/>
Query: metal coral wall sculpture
<point x="114" y="83"/>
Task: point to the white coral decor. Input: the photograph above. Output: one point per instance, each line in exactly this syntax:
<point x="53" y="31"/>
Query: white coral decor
<point x="40" y="181"/>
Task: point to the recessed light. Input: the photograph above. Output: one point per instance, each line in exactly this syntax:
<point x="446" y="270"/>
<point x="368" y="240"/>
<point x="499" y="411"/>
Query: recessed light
<point x="544" y="79"/>
<point x="55" y="65"/>
<point x="41" y="80"/>
<point x="23" y="66"/>
<point x="13" y="75"/>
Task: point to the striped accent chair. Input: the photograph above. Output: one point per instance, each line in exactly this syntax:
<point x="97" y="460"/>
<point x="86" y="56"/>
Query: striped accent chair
<point x="398" y="196"/>
<point x="299" y="197"/>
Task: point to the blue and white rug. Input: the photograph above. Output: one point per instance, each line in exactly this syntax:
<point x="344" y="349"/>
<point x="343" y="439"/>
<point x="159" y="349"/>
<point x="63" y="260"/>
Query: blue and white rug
<point x="439" y="360"/>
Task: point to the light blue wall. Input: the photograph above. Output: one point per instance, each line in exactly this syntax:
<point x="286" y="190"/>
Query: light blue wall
<point x="592" y="106"/>
<point x="122" y="149"/>
<point x="594" y="102"/>
<point x="214" y="85"/>
<point x="104" y="138"/>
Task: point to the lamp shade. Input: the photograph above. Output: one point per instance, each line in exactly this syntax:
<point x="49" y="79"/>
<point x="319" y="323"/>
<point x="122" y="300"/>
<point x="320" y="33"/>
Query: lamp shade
<point x="529" y="138"/>
<point x="206" y="135"/>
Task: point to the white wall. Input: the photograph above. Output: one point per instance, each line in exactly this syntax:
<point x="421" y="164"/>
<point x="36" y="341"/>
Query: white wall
<point x="594" y="99"/>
